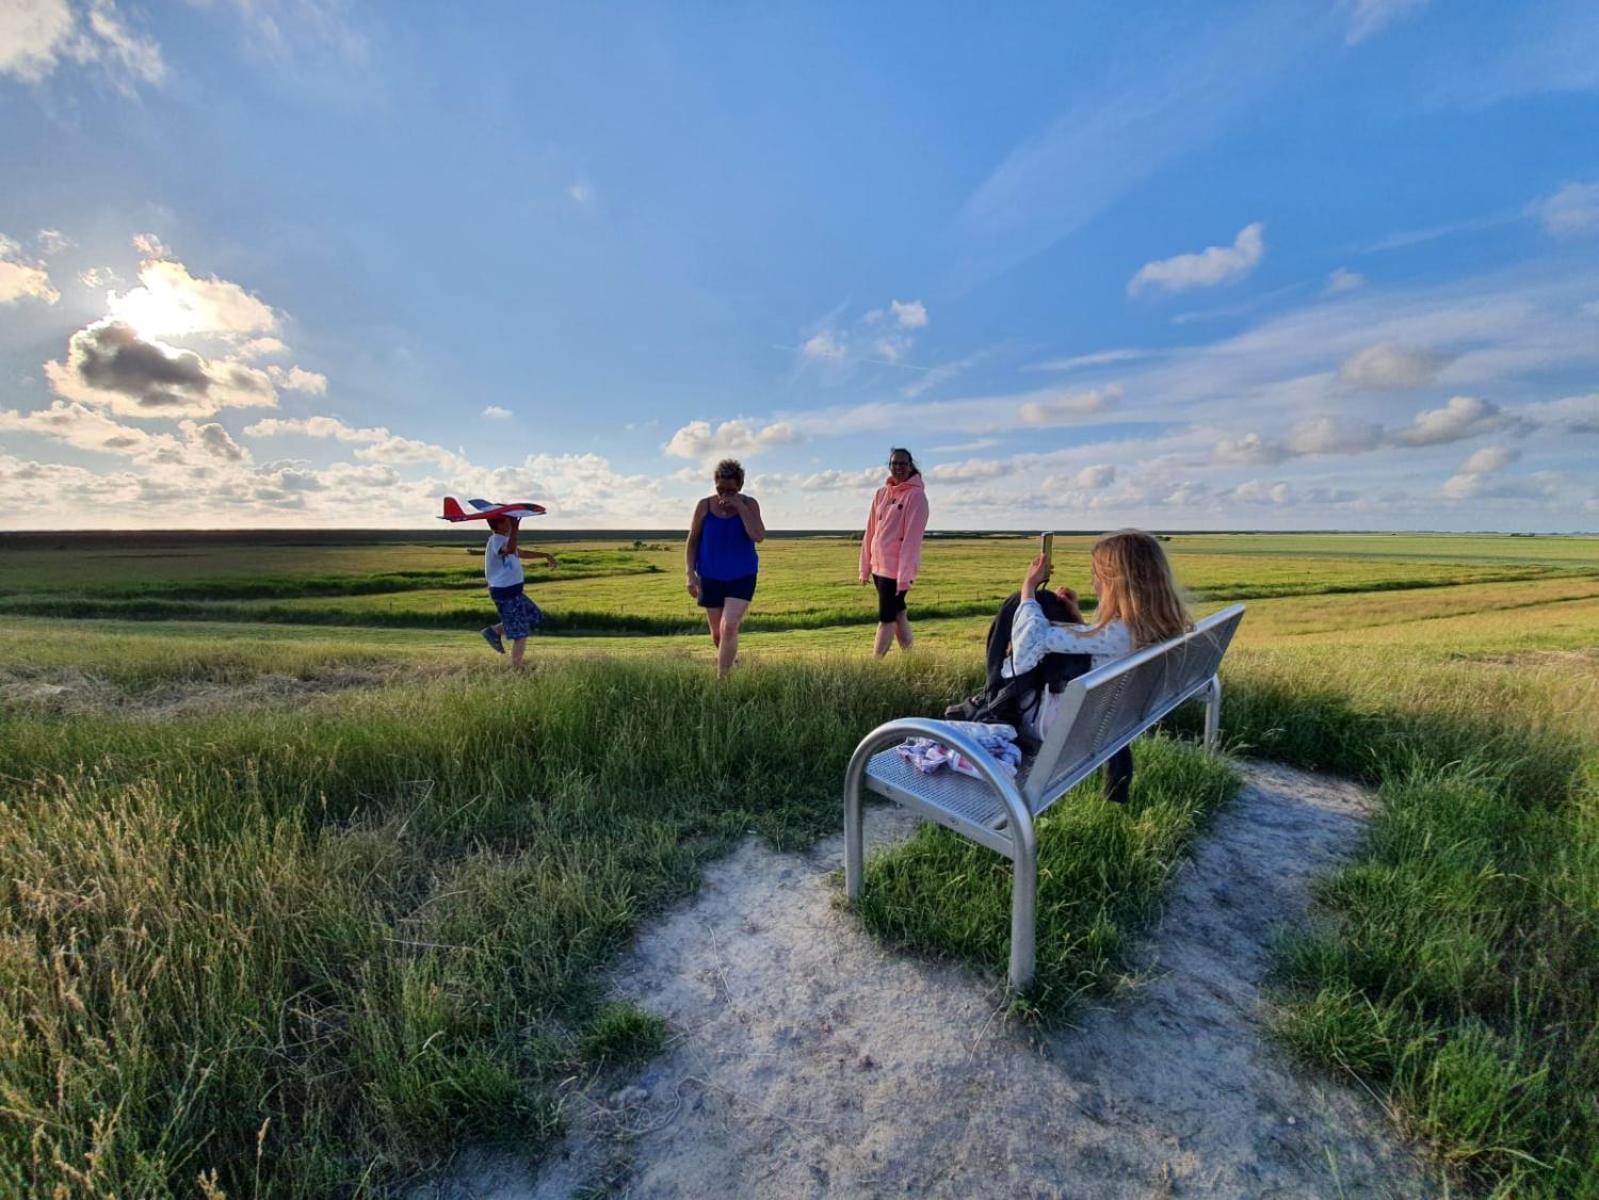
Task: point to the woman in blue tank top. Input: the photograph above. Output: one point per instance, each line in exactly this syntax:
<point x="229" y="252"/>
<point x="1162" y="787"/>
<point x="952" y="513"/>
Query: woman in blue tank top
<point x="721" y="558"/>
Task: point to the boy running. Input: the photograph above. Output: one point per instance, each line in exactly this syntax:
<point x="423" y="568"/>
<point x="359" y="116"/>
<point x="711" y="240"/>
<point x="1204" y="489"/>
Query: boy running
<point x="502" y="567"/>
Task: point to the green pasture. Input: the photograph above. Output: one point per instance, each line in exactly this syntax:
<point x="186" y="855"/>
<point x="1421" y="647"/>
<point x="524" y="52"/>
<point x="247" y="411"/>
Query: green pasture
<point x="305" y="889"/>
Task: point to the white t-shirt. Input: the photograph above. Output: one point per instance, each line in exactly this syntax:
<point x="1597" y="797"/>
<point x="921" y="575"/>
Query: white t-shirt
<point x="501" y="570"/>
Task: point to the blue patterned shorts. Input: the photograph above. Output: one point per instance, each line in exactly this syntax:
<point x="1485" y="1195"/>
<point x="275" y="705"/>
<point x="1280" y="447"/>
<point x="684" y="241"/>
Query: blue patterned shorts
<point x="518" y="614"/>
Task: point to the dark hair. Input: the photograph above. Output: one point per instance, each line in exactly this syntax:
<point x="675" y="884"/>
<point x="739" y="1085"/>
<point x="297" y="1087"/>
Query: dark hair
<point x="730" y="468"/>
<point x="893" y="450"/>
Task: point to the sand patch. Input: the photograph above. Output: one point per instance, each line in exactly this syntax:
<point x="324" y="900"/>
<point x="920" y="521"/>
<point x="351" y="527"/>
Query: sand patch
<point x="810" y="1061"/>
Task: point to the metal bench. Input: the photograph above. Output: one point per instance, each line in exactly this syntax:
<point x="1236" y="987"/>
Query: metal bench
<point x="1099" y="713"/>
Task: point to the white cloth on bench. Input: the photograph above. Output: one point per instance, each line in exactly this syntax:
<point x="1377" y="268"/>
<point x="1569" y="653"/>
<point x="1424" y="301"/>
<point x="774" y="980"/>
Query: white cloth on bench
<point x="997" y="740"/>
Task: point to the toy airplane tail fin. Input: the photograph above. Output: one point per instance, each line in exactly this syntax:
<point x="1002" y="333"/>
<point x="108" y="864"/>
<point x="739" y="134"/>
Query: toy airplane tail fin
<point x="452" y="510"/>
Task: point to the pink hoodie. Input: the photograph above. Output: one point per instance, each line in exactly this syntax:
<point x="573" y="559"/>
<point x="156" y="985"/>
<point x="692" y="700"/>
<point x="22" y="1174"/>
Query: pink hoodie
<point x="892" y="546"/>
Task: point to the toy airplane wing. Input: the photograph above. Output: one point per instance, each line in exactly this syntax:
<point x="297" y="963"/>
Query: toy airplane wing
<point x="487" y="510"/>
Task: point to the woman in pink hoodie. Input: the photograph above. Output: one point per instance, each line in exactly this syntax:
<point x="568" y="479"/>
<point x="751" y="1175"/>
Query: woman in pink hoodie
<point x="891" y="551"/>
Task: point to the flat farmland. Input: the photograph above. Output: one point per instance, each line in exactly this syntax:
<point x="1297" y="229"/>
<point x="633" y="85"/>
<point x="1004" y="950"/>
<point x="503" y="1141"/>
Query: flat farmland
<point x="275" y="809"/>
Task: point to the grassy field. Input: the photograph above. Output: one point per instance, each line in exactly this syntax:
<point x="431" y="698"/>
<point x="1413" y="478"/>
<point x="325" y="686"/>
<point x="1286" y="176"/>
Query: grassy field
<point x="303" y="889"/>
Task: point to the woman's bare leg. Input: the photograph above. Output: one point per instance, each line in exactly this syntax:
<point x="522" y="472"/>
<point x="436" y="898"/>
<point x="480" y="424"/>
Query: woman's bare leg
<point x="713" y="618"/>
<point x="727" y="648"/>
<point x="902" y="630"/>
<point x="885" y="638"/>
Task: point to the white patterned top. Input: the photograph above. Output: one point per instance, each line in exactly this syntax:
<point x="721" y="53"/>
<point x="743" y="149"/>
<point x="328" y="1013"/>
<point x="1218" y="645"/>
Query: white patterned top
<point x="1033" y="635"/>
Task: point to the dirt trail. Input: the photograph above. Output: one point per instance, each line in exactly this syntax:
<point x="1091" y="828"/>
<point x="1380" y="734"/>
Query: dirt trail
<point x="813" y="1062"/>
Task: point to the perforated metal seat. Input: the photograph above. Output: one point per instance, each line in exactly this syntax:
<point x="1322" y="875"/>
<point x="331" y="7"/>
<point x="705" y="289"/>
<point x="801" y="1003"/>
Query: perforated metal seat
<point x="1099" y="713"/>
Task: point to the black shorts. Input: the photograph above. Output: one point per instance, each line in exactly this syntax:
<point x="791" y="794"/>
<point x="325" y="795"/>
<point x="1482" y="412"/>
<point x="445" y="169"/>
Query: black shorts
<point x="890" y="602"/>
<point x="716" y="592"/>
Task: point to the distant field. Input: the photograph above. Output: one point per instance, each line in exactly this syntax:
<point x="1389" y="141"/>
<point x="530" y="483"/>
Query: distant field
<point x="306" y="888"/>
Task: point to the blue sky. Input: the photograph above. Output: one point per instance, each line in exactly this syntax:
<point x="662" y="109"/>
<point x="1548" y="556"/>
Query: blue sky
<point x="1280" y="265"/>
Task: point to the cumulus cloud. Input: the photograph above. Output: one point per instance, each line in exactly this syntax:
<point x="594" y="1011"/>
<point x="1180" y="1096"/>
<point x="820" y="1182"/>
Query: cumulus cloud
<point x="36" y="35"/>
<point x="1211" y="266"/>
<point x="1462" y="417"/>
<point x="52" y="242"/>
<point x="110" y="364"/>
<point x="95" y="278"/>
<point x="1096" y="476"/>
<point x="22" y="279"/>
<point x="1472" y="478"/>
<point x="1251" y="449"/>
<point x="1342" y="280"/>
<point x="297" y="379"/>
<point x="1262" y="491"/>
<point x="1570" y="414"/>
<point x="262" y="347"/>
<point x="86" y="429"/>
<point x="214" y="440"/>
<point x="1368" y="17"/>
<point x="1390" y="367"/>
<point x="170" y="302"/>
<point x="495" y="413"/>
<point x="972" y="469"/>
<point x="1574" y="209"/>
<point x="1055" y="408"/>
<point x="1333" y="435"/>
<point x="698" y="440"/>
<point x="824" y="346"/>
<point x="912" y="314"/>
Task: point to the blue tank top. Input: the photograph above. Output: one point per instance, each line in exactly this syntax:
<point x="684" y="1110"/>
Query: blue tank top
<point x="725" y="550"/>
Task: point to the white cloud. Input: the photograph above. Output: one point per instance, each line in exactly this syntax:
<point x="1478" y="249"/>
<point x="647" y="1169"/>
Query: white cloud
<point x="1471" y="480"/>
<point x="1343" y="280"/>
<point x="1059" y="407"/>
<point x="1099" y="358"/>
<point x="172" y="303"/>
<point x="96" y="278"/>
<point x="1568" y="415"/>
<point x="912" y="314"/>
<point x="1251" y="449"/>
<point x="1262" y="491"/>
<point x="973" y="468"/>
<point x="262" y="347"/>
<point x="1574" y="209"/>
<point x="1462" y="417"/>
<point x="23" y="280"/>
<point x="317" y="427"/>
<point x="581" y="192"/>
<point x="1097" y="476"/>
<point x="824" y="346"/>
<point x="297" y="379"/>
<point x="1388" y="367"/>
<point x="35" y="35"/>
<point x="698" y="440"/>
<point x="1490" y="459"/>
<point x="1333" y="435"/>
<point x="1211" y="266"/>
<point x="151" y="246"/>
<point x="1368" y="17"/>
<point x="495" y="413"/>
<point x="52" y="242"/>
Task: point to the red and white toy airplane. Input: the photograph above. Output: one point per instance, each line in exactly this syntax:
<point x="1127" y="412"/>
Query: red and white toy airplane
<point x="487" y="510"/>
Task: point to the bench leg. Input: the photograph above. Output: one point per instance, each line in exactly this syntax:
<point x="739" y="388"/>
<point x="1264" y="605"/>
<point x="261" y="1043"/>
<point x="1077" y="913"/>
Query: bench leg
<point x="854" y="837"/>
<point x="1023" y="916"/>
<point x="1213" y="713"/>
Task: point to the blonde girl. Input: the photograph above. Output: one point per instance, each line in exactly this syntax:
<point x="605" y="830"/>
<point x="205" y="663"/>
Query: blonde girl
<point x="1139" y="605"/>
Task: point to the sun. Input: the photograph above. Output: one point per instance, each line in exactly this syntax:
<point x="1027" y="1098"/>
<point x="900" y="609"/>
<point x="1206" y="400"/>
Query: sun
<point x="154" y="312"/>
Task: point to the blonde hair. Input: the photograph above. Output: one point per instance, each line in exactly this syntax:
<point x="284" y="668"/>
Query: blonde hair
<point x="1137" y="588"/>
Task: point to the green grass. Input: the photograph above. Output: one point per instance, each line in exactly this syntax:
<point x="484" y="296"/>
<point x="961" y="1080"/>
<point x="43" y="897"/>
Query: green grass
<point x="309" y="900"/>
<point x="1102" y="871"/>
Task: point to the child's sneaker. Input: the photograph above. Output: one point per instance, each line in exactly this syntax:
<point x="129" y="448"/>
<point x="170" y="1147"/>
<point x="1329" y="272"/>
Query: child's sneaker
<point x="493" y="639"/>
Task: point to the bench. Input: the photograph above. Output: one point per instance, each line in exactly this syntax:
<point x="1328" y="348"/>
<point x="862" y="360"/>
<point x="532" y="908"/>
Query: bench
<point x="1099" y="713"/>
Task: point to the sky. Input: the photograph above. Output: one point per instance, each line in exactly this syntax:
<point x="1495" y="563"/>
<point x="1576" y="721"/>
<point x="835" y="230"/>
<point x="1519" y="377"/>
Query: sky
<point x="1281" y="265"/>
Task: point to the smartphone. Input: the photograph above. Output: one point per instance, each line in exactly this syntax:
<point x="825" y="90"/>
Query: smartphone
<point x="1046" y="547"/>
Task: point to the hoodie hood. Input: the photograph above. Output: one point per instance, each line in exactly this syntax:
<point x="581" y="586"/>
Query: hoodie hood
<point x="896" y="487"/>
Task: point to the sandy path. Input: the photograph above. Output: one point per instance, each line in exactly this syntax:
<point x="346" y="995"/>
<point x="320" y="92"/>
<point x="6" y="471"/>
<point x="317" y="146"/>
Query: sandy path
<point x="812" y="1062"/>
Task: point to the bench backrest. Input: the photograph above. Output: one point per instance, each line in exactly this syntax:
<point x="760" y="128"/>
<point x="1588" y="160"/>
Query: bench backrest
<point x="1105" y="709"/>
